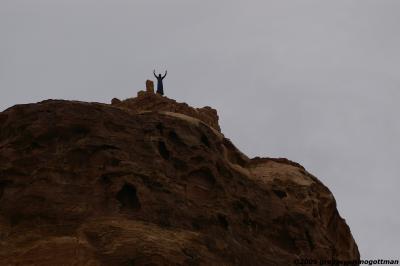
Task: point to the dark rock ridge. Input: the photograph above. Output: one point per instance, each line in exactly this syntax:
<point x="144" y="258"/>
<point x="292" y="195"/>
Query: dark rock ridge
<point x="148" y="181"/>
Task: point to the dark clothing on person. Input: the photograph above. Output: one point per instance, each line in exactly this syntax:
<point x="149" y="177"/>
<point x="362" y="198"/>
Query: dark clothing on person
<point x="160" y="88"/>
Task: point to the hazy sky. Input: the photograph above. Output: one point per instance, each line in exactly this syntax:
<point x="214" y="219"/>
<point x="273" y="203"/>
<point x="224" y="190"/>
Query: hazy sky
<point x="314" y="81"/>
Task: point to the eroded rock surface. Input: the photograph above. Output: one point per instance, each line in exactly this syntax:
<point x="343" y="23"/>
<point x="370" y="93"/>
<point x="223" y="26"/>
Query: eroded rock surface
<point x="146" y="181"/>
<point x="147" y="101"/>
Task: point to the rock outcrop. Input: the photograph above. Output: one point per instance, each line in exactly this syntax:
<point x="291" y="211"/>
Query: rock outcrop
<point x="148" y="181"/>
<point x="149" y="86"/>
<point x="147" y="101"/>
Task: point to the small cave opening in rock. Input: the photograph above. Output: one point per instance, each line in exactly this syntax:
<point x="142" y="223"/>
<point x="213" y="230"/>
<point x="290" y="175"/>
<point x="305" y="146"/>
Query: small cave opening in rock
<point x="35" y="145"/>
<point x="281" y="194"/>
<point x="160" y="128"/>
<point x="162" y="148"/>
<point x="203" y="178"/>
<point x="128" y="198"/>
<point x="2" y="186"/>
<point x="223" y="221"/>
<point x="114" y="162"/>
<point x="205" y="140"/>
<point x="174" y="137"/>
<point x="105" y="179"/>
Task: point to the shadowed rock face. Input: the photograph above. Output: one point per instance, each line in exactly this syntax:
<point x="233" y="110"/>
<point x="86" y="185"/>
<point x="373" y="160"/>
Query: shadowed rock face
<point x="96" y="184"/>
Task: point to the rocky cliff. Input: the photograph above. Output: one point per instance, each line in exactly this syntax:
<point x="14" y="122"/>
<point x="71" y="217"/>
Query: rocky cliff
<point x="149" y="181"/>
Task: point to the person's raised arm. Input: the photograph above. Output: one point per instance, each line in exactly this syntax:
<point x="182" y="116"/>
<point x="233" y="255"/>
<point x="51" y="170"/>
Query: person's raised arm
<point x="165" y="74"/>
<point x="154" y="73"/>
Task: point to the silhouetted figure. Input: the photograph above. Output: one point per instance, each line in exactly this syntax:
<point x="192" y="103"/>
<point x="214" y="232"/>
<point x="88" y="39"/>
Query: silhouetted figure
<point x="160" y="88"/>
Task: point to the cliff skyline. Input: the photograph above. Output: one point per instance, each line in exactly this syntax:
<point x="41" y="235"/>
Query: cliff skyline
<point x="315" y="82"/>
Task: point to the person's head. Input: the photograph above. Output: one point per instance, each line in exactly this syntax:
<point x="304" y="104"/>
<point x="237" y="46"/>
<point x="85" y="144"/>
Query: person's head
<point x="159" y="75"/>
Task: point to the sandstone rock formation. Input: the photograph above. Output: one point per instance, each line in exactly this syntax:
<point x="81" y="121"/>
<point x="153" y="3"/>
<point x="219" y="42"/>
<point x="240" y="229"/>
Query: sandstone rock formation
<point x="148" y="181"/>
<point x="149" y="86"/>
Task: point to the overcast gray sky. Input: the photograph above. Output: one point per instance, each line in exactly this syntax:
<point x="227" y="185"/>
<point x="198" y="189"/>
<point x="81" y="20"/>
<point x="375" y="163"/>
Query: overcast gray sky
<point x="314" y="81"/>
